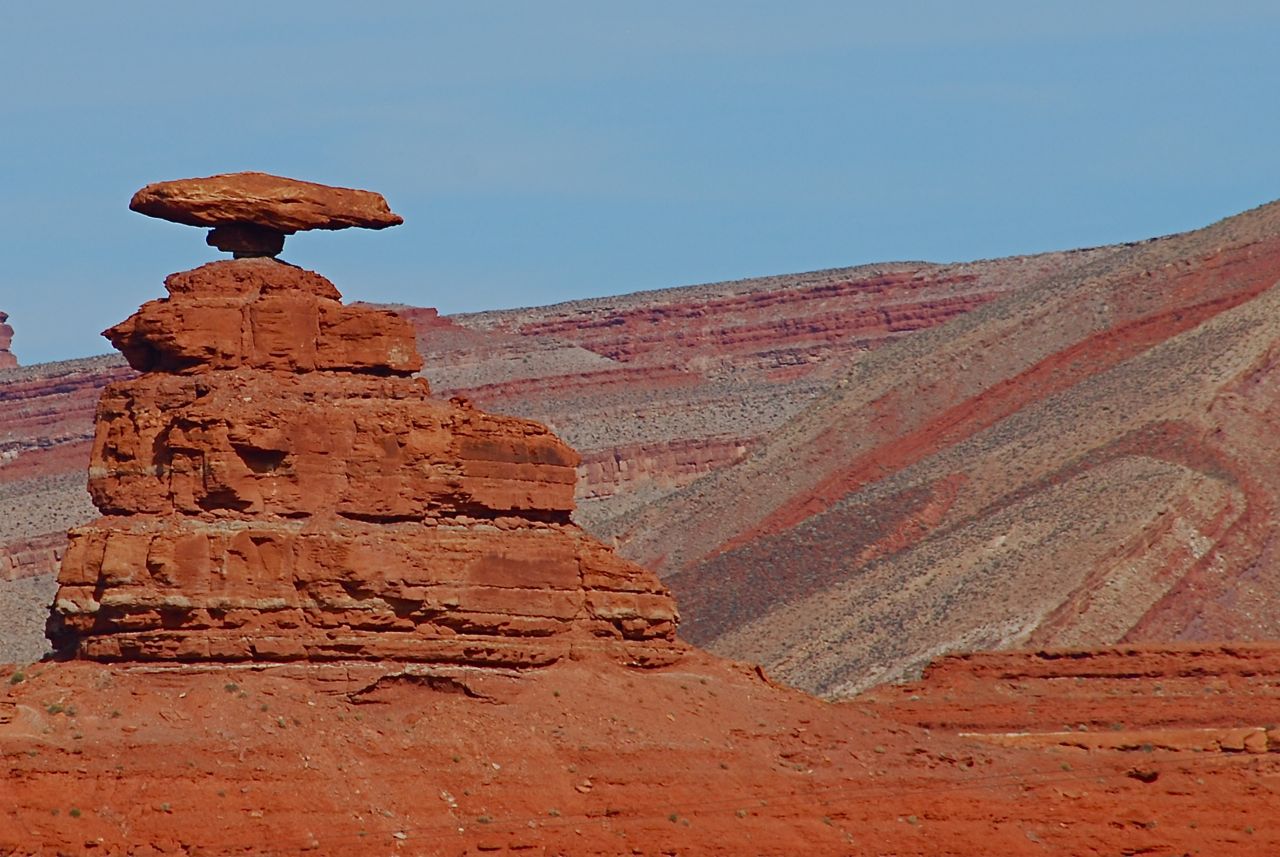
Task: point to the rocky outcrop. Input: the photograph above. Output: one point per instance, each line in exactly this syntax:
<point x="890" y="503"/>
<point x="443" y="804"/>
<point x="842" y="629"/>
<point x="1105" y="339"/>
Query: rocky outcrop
<point x="263" y="200"/>
<point x="7" y="360"/>
<point x="277" y="486"/>
<point x="251" y="213"/>
<point x="335" y="577"/>
<point x="681" y="405"/>
<point x="1085" y="698"/>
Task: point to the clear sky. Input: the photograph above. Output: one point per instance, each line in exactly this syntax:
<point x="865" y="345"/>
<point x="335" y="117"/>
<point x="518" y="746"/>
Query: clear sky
<point x="543" y="151"/>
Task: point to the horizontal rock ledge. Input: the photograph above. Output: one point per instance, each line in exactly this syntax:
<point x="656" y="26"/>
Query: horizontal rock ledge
<point x="261" y="199"/>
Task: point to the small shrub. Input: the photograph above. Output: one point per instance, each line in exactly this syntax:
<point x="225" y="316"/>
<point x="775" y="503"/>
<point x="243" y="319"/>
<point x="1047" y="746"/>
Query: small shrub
<point x="74" y="812"/>
<point x="17" y="678"/>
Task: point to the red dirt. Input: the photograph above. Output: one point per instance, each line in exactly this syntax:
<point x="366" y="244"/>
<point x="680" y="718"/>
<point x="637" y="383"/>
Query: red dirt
<point x="589" y="758"/>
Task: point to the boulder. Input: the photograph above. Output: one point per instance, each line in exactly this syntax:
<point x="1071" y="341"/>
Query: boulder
<point x="271" y="202"/>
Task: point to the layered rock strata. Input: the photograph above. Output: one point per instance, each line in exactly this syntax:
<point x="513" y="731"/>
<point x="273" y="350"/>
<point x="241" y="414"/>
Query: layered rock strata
<point x="277" y="486"/>
<point x="7" y="360"/>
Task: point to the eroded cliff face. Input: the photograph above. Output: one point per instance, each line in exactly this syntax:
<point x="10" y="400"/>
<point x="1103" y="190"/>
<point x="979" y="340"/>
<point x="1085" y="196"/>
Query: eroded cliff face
<point x="277" y="486"/>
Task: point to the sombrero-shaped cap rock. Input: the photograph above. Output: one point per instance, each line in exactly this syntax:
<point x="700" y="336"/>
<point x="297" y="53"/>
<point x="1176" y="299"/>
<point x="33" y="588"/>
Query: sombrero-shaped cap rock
<point x="270" y="202"/>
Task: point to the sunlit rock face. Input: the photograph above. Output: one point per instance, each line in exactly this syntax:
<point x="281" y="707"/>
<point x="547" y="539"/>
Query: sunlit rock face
<point x="277" y="485"/>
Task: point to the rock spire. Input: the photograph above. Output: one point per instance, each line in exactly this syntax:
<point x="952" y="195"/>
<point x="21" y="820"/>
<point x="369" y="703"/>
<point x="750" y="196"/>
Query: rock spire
<point x="277" y="485"/>
<point x="7" y="360"/>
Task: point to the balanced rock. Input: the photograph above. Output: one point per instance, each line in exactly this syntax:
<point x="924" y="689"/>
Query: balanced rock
<point x="278" y="486"/>
<point x="252" y="212"/>
<point x="7" y="360"/>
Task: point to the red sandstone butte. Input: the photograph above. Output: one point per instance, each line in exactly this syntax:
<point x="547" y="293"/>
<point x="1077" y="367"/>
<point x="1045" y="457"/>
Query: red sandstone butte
<point x="7" y="360"/>
<point x="277" y="487"/>
<point x="272" y="202"/>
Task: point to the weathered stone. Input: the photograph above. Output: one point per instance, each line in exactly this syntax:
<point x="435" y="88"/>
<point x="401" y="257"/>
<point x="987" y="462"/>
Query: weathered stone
<point x="272" y="202"/>
<point x="275" y="487"/>
<point x="262" y="314"/>
<point x="245" y="240"/>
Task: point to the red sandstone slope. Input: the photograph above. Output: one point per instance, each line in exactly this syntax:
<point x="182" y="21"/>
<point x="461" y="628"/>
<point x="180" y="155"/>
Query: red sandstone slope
<point x="1090" y="460"/>
<point x="583" y="758"/>
<point x="659" y="388"/>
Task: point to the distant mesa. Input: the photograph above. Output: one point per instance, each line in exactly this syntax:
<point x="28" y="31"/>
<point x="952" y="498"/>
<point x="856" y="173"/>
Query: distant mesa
<point x="251" y="213"/>
<point x="7" y="360"/>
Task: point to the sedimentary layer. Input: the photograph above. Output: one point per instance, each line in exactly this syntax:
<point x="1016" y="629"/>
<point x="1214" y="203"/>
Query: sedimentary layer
<point x="1083" y="463"/>
<point x="1027" y="754"/>
<point x="275" y="486"/>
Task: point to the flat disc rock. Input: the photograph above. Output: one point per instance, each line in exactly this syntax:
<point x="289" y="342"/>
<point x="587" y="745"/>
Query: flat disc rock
<point x="270" y="202"/>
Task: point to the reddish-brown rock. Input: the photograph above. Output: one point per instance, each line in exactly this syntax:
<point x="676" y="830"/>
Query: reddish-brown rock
<point x="7" y="360"/>
<point x="375" y="593"/>
<point x="272" y="202"/>
<point x="262" y="314"/>
<point x="1150" y="752"/>
<point x="276" y="487"/>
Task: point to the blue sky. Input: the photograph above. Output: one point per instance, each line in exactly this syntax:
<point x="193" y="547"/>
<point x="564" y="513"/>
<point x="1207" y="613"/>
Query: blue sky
<point x="554" y="150"/>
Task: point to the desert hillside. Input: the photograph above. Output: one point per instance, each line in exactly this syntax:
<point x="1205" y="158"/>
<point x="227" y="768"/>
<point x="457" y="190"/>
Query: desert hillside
<point x="324" y="609"/>
<point x="655" y="389"/>
<point x="1087" y="461"/>
<point x="844" y="473"/>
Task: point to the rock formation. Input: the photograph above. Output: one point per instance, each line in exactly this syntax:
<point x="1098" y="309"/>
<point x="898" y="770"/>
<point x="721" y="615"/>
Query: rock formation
<point x="251" y="213"/>
<point x="328" y="572"/>
<point x="7" y="360"/>
<point x="277" y="486"/>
